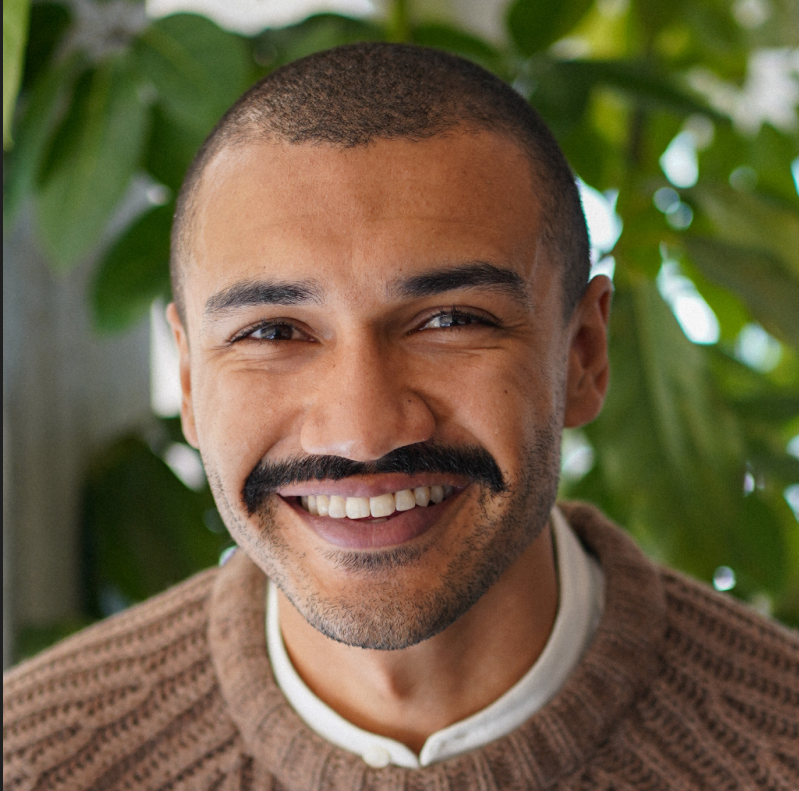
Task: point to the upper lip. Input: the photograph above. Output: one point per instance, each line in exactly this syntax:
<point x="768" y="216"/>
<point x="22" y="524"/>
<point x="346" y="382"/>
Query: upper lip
<point x="372" y="485"/>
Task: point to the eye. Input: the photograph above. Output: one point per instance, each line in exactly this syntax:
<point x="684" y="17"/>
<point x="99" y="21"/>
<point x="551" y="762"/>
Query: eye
<point x="454" y="318"/>
<point x="271" y="331"/>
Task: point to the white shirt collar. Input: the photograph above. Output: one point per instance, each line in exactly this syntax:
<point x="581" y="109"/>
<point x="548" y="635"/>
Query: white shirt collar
<point x="581" y="599"/>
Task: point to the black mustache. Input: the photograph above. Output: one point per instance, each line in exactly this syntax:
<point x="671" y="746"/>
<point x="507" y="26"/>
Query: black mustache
<point x="472" y="462"/>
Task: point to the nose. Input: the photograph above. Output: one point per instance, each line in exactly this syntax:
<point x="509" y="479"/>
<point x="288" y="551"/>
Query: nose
<point x="363" y="405"/>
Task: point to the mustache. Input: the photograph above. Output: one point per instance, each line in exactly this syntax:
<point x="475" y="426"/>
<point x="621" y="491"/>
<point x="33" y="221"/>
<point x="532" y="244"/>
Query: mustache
<point x="471" y="461"/>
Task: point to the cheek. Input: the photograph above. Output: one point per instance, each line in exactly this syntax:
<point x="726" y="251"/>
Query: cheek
<point x="240" y="417"/>
<point x="498" y="401"/>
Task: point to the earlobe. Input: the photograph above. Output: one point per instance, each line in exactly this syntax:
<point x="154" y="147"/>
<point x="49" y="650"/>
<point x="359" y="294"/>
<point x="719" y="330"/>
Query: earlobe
<point x="588" y="366"/>
<point x="182" y="343"/>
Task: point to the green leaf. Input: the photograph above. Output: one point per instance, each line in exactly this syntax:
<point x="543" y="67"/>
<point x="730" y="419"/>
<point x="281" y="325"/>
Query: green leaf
<point x="590" y="155"/>
<point x="48" y="24"/>
<point x="732" y="313"/>
<point x="451" y="39"/>
<point x="319" y="31"/>
<point x="144" y="529"/>
<point x="197" y="69"/>
<point x="777" y="465"/>
<point x="640" y="80"/>
<point x="134" y="272"/>
<point x="675" y="381"/>
<point x="670" y="456"/>
<point x="170" y="149"/>
<point x="766" y="157"/>
<point x="758" y="548"/>
<point x="50" y="95"/>
<point x="561" y="90"/>
<point x="536" y="24"/>
<point x="15" y="33"/>
<point x="763" y="284"/>
<point x="751" y="220"/>
<point x="398" y="24"/>
<point x="94" y="155"/>
<point x="771" y="407"/>
<point x="560" y="98"/>
<point x="769" y="154"/>
<point x="718" y="38"/>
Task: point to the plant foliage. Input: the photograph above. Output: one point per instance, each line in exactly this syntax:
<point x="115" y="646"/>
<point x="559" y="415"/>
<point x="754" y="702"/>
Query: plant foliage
<point x="690" y="452"/>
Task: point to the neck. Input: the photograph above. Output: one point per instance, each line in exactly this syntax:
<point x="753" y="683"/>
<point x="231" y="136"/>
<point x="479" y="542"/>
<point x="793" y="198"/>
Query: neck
<point x="409" y="694"/>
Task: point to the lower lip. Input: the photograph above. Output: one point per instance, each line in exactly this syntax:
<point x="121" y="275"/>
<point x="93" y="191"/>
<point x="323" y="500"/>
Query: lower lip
<point x="398" y="528"/>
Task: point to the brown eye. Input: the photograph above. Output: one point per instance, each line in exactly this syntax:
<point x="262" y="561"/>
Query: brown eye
<point x="273" y="332"/>
<point x="453" y="319"/>
<point x="450" y="320"/>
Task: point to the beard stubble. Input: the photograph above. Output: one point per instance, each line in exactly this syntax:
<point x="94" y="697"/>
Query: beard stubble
<point x="380" y="614"/>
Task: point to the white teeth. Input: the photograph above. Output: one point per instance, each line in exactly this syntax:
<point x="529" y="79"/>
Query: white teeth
<point x="337" y="508"/>
<point x="405" y="500"/>
<point x="382" y="505"/>
<point x="357" y="507"/>
<point x="378" y="507"/>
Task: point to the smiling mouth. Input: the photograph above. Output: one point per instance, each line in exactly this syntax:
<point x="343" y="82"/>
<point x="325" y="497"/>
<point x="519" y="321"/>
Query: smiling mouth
<point x="380" y="507"/>
<point x="375" y="523"/>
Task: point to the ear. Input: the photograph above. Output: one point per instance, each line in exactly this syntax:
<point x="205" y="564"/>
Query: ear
<point x="182" y="342"/>
<point x="588" y="369"/>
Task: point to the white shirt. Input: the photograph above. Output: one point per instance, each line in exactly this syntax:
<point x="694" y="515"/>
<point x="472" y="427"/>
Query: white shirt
<point x="580" y="605"/>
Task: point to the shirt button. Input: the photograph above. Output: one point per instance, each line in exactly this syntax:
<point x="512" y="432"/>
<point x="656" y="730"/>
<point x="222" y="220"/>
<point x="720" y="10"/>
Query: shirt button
<point x="376" y="756"/>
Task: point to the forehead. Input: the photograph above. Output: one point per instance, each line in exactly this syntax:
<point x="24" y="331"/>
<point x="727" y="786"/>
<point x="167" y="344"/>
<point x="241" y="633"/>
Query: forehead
<point x="361" y="215"/>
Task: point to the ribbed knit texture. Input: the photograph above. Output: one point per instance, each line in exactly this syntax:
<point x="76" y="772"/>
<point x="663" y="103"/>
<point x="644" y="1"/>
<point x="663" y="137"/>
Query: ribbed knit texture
<point x="681" y="688"/>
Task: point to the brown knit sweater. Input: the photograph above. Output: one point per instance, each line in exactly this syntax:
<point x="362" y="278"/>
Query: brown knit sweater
<point x="681" y="689"/>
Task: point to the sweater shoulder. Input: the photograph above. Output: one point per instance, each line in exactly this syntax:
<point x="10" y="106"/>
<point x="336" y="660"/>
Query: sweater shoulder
<point x="181" y="603"/>
<point x="726" y="637"/>
<point x="728" y="686"/>
<point x="77" y="714"/>
<point x="722" y="710"/>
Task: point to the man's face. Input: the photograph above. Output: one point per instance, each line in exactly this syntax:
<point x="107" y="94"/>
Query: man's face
<point x="383" y="318"/>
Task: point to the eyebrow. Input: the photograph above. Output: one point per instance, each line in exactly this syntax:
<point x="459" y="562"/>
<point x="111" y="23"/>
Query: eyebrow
<point x="477" y="274"/>
<point x="261" y="292"/>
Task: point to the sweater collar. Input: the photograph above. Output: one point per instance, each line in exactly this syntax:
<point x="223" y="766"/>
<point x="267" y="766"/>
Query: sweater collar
<point x="621" y="661"/>
<point x="580" y="600"/>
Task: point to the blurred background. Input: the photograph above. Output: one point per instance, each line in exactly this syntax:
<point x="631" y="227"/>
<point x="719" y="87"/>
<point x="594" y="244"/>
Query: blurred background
<point x="678" y="116"/>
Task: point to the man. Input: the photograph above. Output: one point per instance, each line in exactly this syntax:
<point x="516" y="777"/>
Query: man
<point x="382" y="307"/>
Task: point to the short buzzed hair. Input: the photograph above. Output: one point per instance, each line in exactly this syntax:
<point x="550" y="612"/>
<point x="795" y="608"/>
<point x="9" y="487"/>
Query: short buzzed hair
<point x="352" y="95"/>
